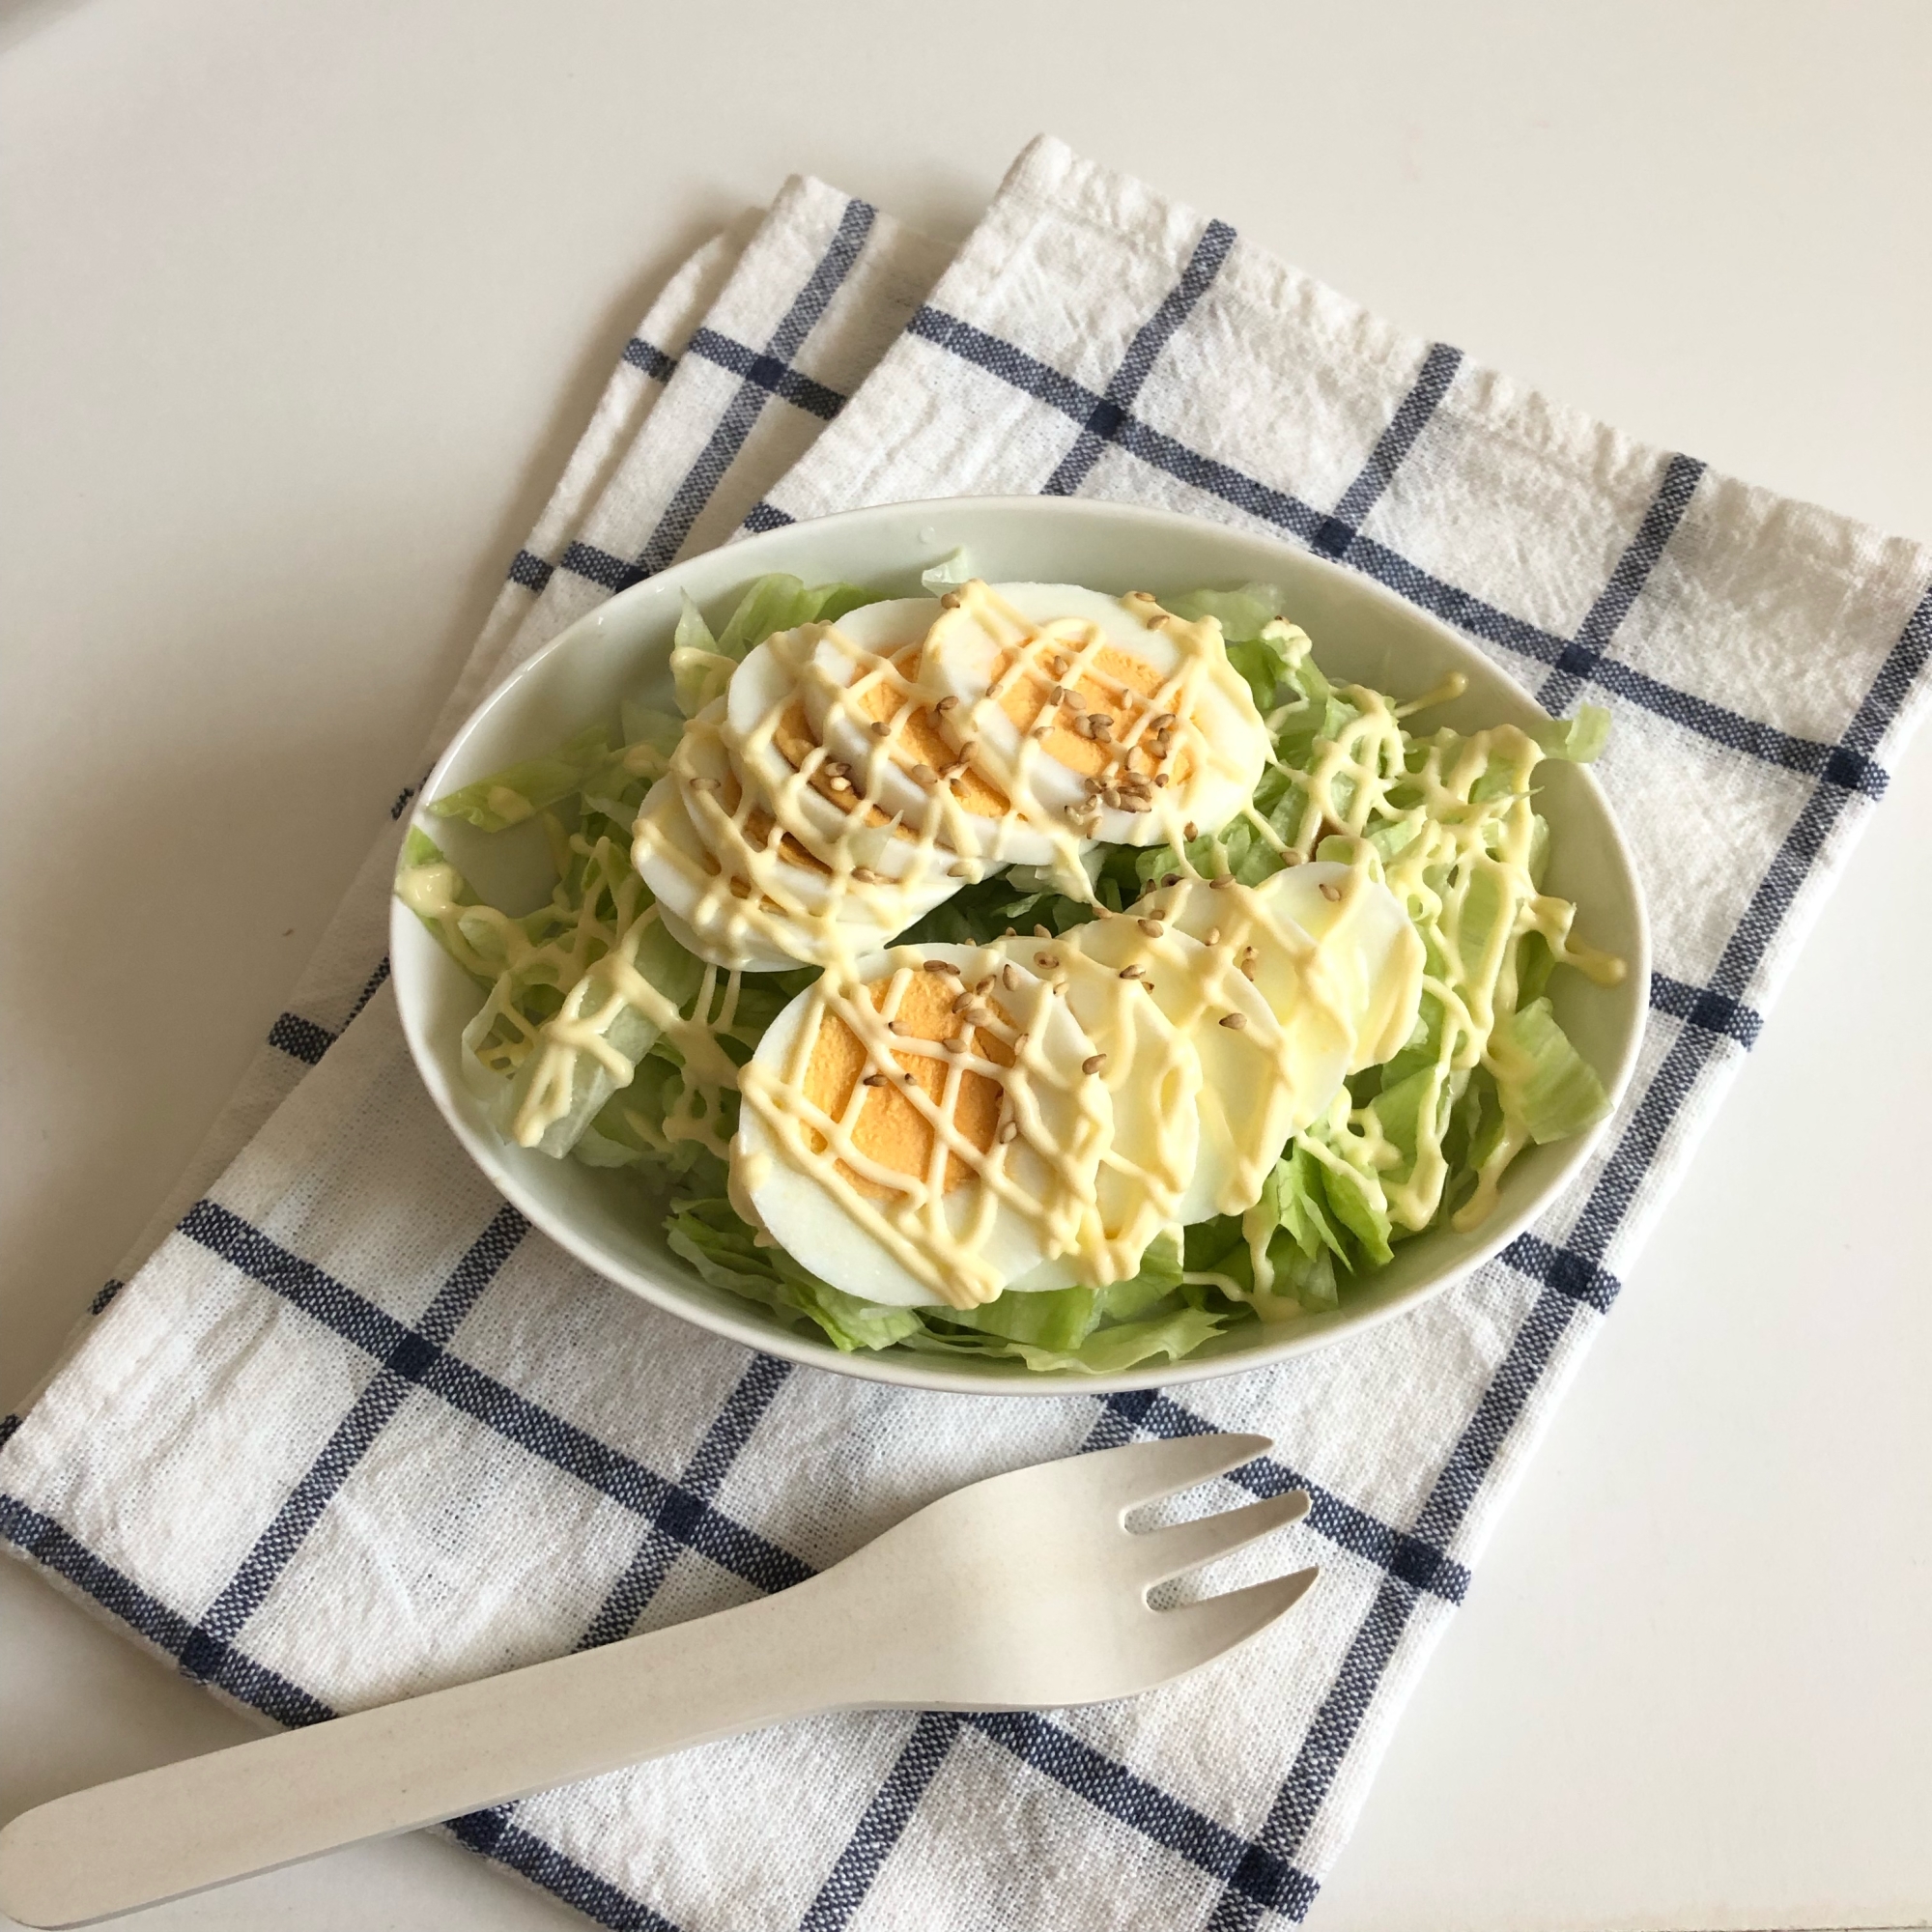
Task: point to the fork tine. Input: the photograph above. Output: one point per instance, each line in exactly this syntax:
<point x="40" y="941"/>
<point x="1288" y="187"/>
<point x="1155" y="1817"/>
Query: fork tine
<point x="1184" y="1546"/>
<point x="1143" y="1472"/>
<point x="1201" y="1632"/>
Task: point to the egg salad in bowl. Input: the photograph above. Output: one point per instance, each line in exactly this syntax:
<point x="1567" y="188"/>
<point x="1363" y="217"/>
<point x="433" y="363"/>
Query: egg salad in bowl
<point x="1020" y="977"/>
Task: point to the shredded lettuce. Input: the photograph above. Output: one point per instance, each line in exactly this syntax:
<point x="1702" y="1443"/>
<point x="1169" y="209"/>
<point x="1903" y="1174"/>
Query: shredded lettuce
<point x="590" y="1082"/>
<point x="521" y="790"/>
<point x="726" y="1253"/>
<point x="1579" y="740"/>
<point x="701" y="663"/>
<point x="951" y="570"/>
<point x="1406" y="1146"/>
<point x="1244" y="615"/>
<point x="1080" y="1330"/>
<point x="1262" y="644"/>
<point x="1543" y="1080"/>
<point x="532" y="963"/>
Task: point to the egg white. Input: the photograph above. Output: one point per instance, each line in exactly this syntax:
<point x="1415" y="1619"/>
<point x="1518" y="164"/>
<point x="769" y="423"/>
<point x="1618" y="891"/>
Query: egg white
<point x="1244" y="1113"/>
<point x="1345" y="992"/>
<point x="762" y="684"/>
<point x="805" y="1216"/>
<point x="670" y="859"/>
<point x="1154" y="1078"/>
<point x="1380" y="955"/>
<point x="837" y="659"/>
<point x="962" y="661"/>
<point x="678" y="828"/>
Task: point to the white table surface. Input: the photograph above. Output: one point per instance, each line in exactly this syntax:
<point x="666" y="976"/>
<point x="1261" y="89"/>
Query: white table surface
<point x="303" y="305"/>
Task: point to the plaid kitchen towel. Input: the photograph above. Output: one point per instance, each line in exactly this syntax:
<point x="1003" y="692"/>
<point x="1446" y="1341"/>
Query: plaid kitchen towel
<point x="352" y="1431"/>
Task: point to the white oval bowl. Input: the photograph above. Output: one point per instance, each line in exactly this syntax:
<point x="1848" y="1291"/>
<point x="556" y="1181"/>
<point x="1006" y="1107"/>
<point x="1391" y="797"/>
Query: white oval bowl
<point x="611" y="1221"/>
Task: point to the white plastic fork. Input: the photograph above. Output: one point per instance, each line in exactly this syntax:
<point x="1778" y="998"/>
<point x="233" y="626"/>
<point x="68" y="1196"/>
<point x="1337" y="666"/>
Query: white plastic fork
<point x="1016" y="1593"/>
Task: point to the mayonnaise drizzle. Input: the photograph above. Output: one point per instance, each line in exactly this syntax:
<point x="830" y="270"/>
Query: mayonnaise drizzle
<point x="1152" y="1076"/>
<point x="783" y="850"/>
<point x="1043" y="1172"/>
<point x="897" y="706"/>
<point x="1462" y="868"/>
<point x="764" y="872"/>
<point x="497" y="946"/>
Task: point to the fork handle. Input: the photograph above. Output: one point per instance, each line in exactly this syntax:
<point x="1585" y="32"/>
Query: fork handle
<point x="253" y="1806"/>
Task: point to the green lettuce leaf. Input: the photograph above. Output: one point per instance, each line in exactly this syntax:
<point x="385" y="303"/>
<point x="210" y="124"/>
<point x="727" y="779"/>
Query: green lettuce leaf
<point x="1085" y="1330"/>
<point x="951" y="570"/>
<point x="701" y="662"/>
<point x="1577" y="740"/>
<point x="782" y="603"/>
<point x="1243" y="613"/>
<point x="643" y="724"/>
<point x="521" y="790"/>
<point x="668" y="967"/>
<point x="1105" y="1351"/>
<point x="1545" y="1082"/>
<point x="1063" y="1318"/>
<point x="725" y="1253"/>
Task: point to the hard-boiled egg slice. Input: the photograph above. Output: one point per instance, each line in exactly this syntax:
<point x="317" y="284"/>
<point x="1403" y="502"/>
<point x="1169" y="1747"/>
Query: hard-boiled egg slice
<point x="709" y="846"/>
<point x="860" y="683"/>
<point x="920" y="1130"/>
<point x="743" y="954"/>
<point x="1369" y="945"/>
<point x="1105" y="713"/>
<point x="1152" y="1076"/>
<point x="697" y="903"/>
<point x="818" y="799"/>
<point x="1345" y="985"/>
<point x="1247" y="1111"/>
